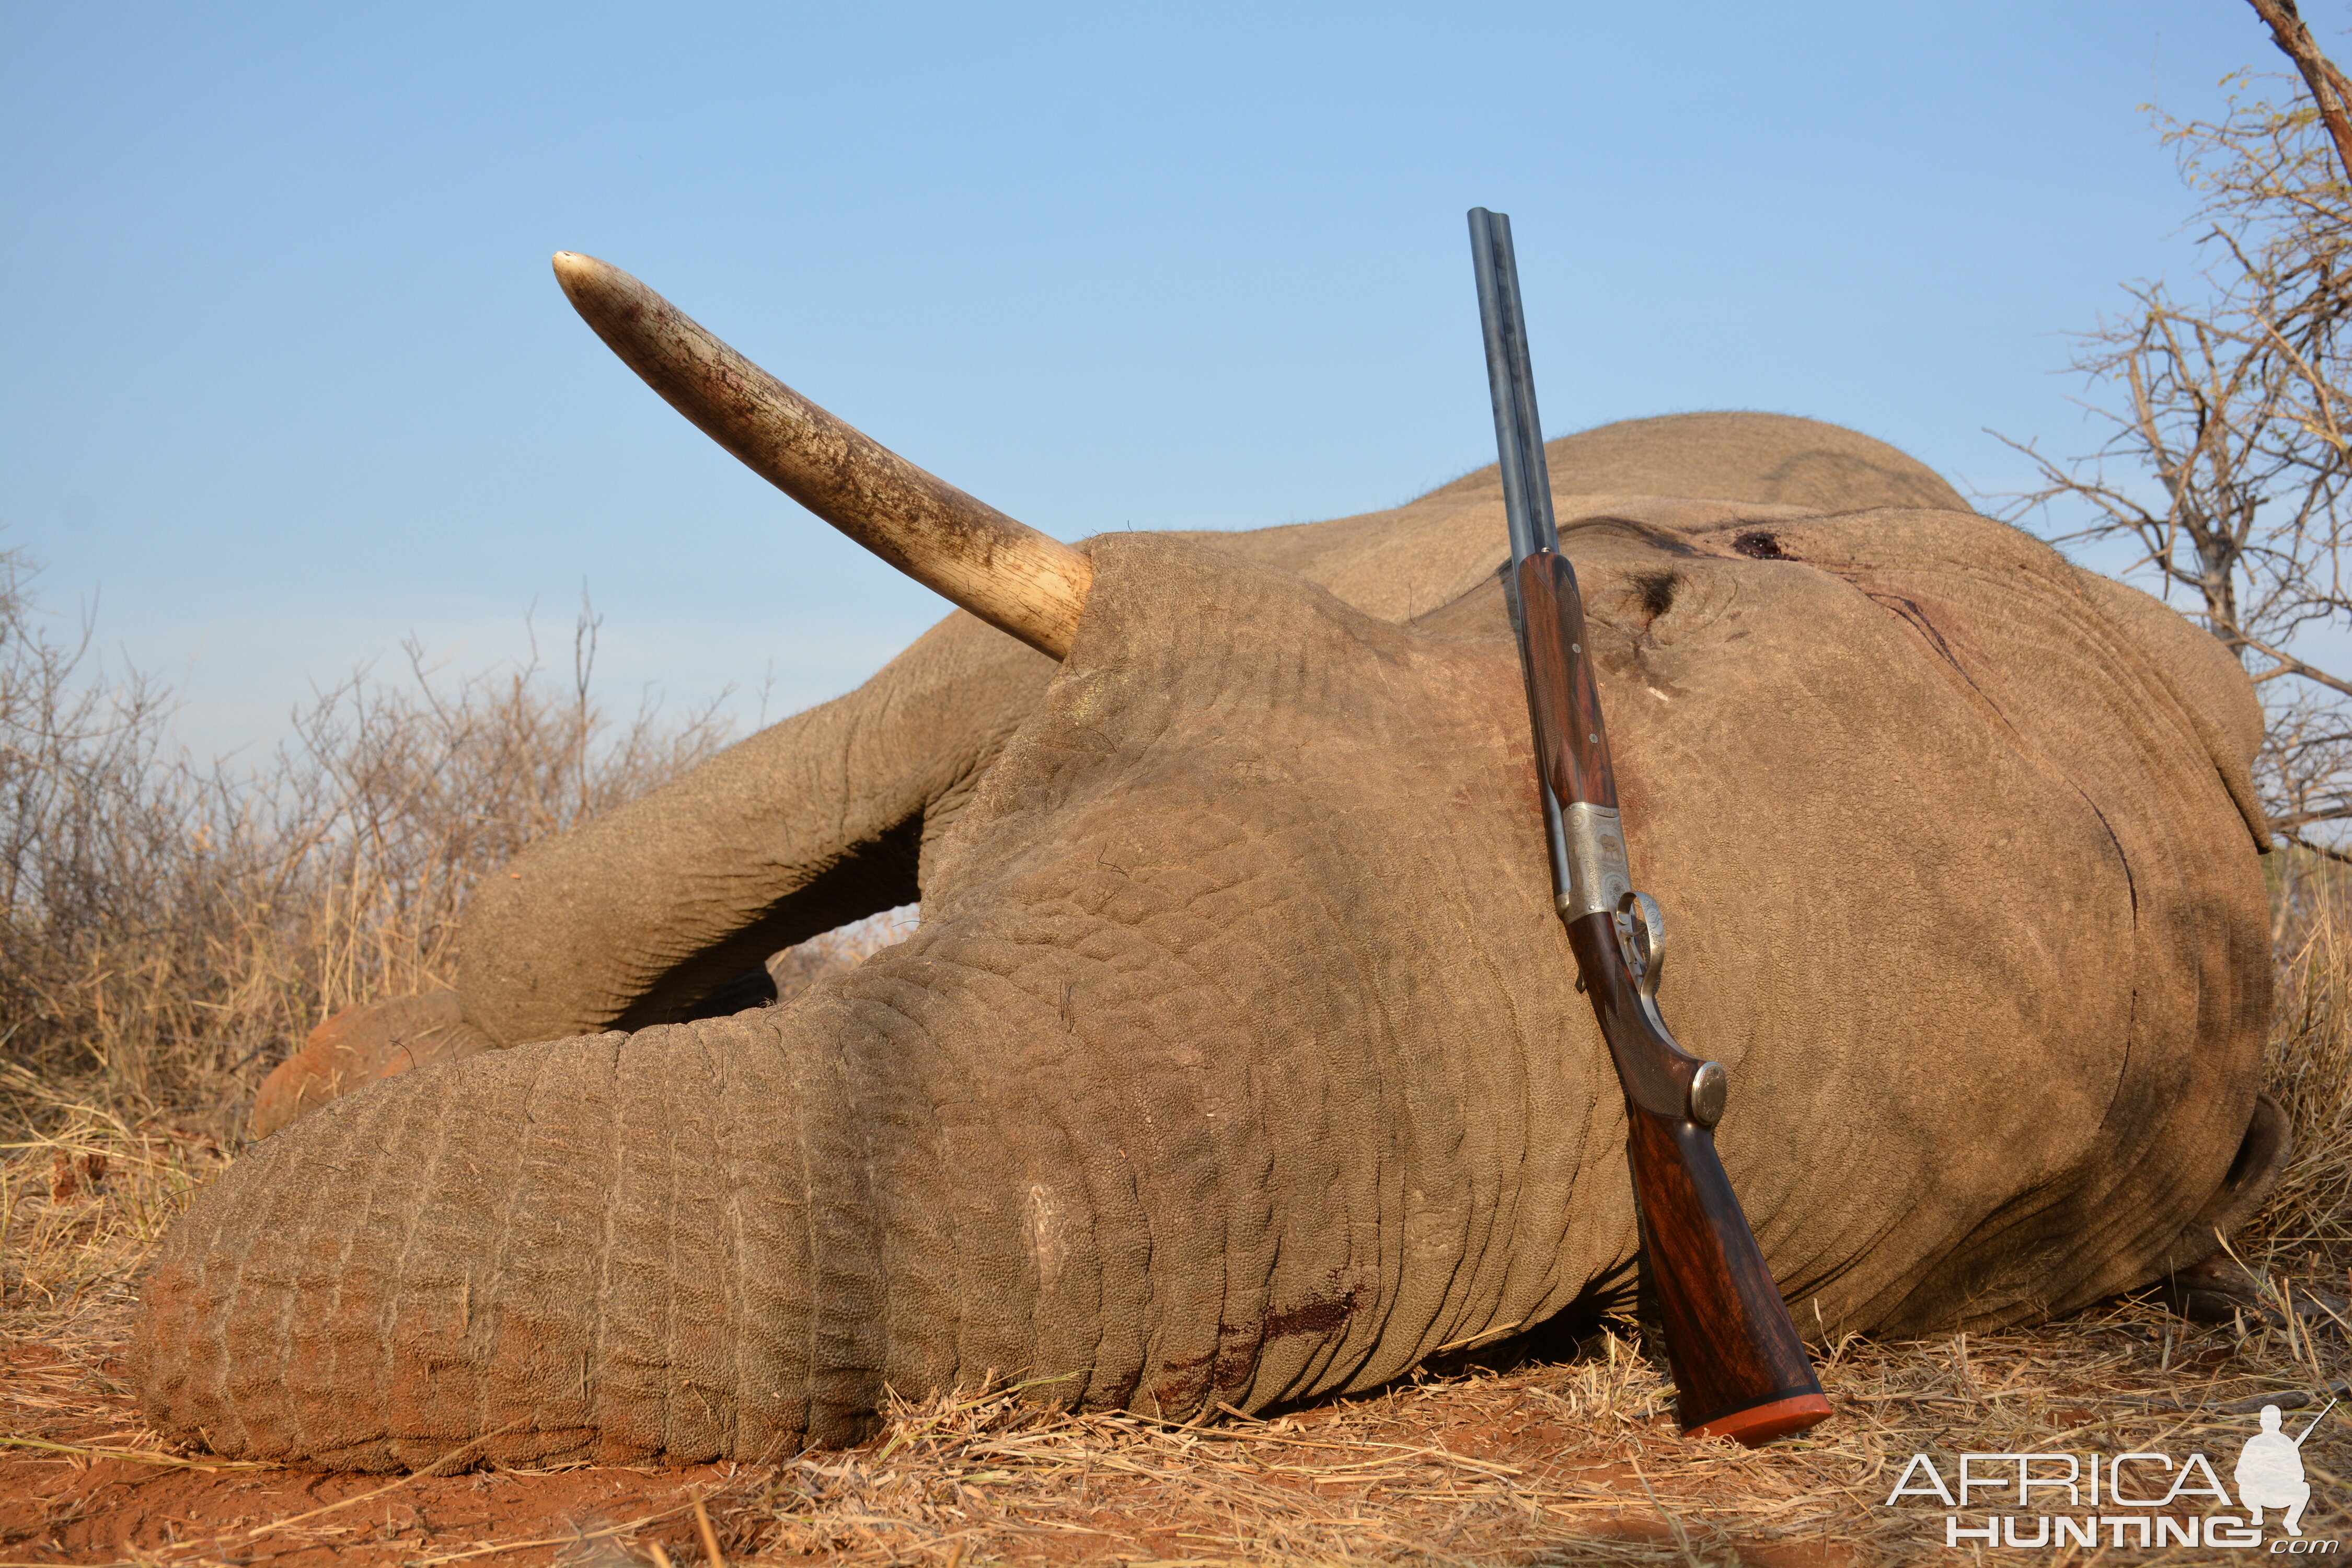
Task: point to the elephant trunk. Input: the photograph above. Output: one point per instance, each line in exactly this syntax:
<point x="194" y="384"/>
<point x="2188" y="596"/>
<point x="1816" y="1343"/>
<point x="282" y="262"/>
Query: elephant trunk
<point x="604" y="1249"/>
<point x="727" y="1238"/>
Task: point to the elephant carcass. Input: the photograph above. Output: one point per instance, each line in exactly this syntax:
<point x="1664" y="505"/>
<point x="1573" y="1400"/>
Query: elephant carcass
<point x="1238" y="1057"/>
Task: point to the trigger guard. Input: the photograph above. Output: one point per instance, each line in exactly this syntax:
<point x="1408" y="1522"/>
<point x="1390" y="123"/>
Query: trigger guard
<point x="1647" y="959"/>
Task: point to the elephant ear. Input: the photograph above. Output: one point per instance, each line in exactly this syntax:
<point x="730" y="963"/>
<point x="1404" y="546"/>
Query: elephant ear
<point x="2210" y="685"/>
<point x="2254" y="1175"/>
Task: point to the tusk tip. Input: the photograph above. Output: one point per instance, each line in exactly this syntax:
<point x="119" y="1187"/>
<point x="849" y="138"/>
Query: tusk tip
<point x="575" y="270"/>
<point x="601" y="291"/>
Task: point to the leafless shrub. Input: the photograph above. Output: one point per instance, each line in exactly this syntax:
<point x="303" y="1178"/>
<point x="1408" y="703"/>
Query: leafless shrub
<point x="797" y="968"/>
<point x="169" y="929"/>
<point x="2231" y="397"/>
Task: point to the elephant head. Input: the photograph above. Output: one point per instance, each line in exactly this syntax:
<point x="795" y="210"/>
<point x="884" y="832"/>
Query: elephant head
<point x="1237" y="1059"/>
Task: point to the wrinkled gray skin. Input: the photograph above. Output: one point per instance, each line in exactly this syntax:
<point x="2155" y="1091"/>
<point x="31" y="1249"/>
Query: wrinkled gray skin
<point x="1238" y="1057"/>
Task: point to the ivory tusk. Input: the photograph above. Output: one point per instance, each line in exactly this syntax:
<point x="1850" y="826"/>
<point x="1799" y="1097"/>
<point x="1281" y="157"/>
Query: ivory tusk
<point x="1006" y="573"/>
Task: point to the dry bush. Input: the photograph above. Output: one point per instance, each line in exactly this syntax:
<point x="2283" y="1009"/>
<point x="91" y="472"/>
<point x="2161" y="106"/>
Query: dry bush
<point x="2222" y="405"/>
<point x="796" y="968"/>
<point x="2307" y="1225"/>
<point x="168" y="930"/>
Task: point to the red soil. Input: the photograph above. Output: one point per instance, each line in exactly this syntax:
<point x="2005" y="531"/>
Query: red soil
<point x="75" y="1507"/>
<point x="58" y="1507"/>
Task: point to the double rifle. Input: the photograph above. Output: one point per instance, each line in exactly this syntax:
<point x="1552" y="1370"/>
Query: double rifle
<point x="1739" y="1369"/>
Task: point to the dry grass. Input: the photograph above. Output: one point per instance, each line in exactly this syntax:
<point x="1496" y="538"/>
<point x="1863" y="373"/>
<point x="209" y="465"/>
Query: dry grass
<point x="82" y="1203"/>
<point x="1496" y="1459"/>
<point x="1561" y="1461"/>
<point x="2309" y="1064"/>
<point x="171" y="930"/>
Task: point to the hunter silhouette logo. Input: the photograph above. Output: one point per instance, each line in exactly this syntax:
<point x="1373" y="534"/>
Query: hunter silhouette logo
<point x="2139" y="1499"/>
<point x="2270" y="1470"/>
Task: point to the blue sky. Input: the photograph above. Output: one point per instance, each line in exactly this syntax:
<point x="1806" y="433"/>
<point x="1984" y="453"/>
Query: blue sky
<point x="284" y="377"/>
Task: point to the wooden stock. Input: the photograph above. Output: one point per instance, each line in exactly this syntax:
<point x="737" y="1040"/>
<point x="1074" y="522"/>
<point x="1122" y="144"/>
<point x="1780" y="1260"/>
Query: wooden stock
<point x="1741" y="1370"/>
